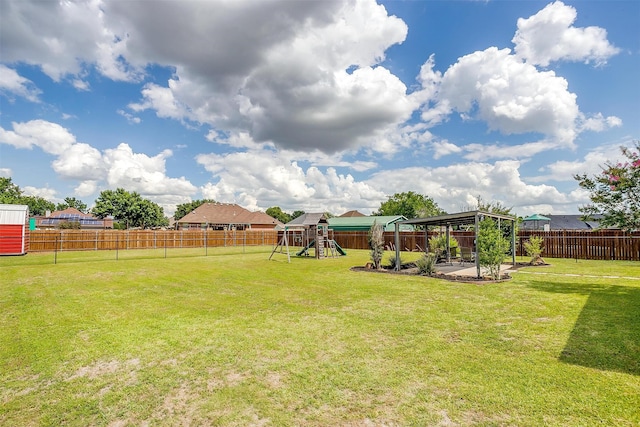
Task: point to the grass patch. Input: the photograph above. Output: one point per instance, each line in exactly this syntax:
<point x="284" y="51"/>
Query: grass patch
<point x="235" y="339"/>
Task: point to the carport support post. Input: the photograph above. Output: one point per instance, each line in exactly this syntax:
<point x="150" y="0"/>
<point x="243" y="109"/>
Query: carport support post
<point x="513" y="242"/>
<point x="448" y="249"/>
<point x="477" y="227"/>
<point x="397" y="244"/>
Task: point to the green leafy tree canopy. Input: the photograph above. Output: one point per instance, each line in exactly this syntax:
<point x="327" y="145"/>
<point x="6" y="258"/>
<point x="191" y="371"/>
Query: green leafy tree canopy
<point x="279" y="214"/>
<point x="129" y="208"/>
<point x="72" y="202"/>
<point x="411" y="205"/>
<point x="615" y="192"/>
<point x="10" y="193"/>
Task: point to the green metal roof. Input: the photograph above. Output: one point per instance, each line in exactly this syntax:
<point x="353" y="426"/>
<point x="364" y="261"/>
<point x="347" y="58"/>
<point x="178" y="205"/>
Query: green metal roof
<point x="364" y="223"/>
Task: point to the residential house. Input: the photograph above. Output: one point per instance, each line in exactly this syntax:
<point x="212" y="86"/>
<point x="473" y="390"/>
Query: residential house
<point x="72" y="216"/>
<point x="226" y="216"/>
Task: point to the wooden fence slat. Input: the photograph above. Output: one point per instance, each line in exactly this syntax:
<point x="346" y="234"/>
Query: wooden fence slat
<point x="600" y="244"/>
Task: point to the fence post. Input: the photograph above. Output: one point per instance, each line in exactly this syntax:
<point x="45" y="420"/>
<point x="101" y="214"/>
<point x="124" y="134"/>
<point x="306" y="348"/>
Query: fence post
<point x="55" y="252"/>
<point x="165" y="245"/>
<point x="117" y="245"/>
<point x="206" y="246"/>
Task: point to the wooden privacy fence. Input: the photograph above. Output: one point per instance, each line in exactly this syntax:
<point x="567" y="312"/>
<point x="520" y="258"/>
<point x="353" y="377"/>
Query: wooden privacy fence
<point x="85" y="240"/>
<point x="603" y="244"/>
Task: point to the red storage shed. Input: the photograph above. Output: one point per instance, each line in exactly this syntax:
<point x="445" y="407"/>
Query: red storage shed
<point x="14" y="229"/>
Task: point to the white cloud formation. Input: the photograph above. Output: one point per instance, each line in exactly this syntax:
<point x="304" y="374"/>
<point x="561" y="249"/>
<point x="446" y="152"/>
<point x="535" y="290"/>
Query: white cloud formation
<point x="5" y="172"/>
<point x="456" y="187"/>
<point x="549" y="36"/>
<point x="512" y="97"/>
<point x="115" y="167"/>
<point x="13" y="83"/>
<point x="47" y="34"/>
<point x="46" y="192"/>
<point x="272" y="180"/>
<point x="314" y="83"/>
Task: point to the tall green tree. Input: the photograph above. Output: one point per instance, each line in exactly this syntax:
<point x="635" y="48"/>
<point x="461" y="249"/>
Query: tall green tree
<point x="129" y="208"/>
<point x="11" y="193"/>
<point x="37" y="205"/>
<point x="72" y="202"/>
<point x="411" y="205"/>
<point x="185" y="208"/>
<point x="615" y="192"/>
<point x="279" y="214"/>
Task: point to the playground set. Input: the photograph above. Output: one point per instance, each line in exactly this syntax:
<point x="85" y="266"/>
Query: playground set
<point x="310" y="232"/>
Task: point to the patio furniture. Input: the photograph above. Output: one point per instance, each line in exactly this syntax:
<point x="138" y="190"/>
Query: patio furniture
<point x="466" y="255"/>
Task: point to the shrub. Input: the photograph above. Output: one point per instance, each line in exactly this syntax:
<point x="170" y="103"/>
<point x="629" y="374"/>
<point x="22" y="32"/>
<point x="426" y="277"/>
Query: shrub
<point x="533" y="248"/>
<point x="376" y="241"/>
<point x="440" y="242"/>
<point x="392" y="261"/>
<point x="492" y="247"/>
<point x="426" y="264"/>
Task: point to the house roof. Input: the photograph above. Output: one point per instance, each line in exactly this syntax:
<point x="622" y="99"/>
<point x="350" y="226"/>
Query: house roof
<point x="70" y="213"/>
<point x="226" y="213"/>
<point x="572" y="222"/>
<point x="365" y="222"/>
<point x="351" y="214"/>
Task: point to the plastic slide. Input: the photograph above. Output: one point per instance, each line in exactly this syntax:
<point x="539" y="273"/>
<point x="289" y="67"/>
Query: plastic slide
<point x="339" y="248"/>
<point x="306" y="248"/>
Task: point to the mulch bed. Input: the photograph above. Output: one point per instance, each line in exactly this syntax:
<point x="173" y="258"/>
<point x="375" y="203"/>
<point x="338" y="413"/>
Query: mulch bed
<point x="411" y="270"/>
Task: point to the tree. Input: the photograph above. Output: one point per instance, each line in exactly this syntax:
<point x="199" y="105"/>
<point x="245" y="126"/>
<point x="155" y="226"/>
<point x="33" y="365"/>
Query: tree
<point x="129" y="208"/>
<point x="297" y="214"/>
<point x="410" y="205"/>
<point x="615" y="192"/>
<point x="492" y="246"/>
<point x="492" y="207"/>
<point x="72" y="202"/>
<point x="185" y="208"/>
<point x="10" y="193"/>
<point x="277" y="213"/>
<point x="37" y="205"/>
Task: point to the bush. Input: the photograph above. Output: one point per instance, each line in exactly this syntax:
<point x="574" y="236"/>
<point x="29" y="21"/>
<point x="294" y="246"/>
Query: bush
<point x="440" y="242"/>
<point x="392" y="261"/>
<point x="427" y="264"/>
<point x="376" y="241"/>
<point x="492" y="247"/>
<point x="533" y="248"/>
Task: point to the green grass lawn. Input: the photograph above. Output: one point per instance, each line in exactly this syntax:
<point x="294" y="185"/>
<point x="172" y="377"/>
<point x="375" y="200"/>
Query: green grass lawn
<point x="240" y="340"/>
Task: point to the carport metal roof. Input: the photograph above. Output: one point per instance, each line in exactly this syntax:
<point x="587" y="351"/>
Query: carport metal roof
<point x="461" y="218"/>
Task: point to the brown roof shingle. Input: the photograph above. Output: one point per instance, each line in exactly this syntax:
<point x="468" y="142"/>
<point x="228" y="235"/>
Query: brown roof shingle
<point x="226" y="213"/>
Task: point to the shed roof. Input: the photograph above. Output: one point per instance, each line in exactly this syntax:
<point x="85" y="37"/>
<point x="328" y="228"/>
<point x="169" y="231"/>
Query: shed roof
<point x="13" y="214"/>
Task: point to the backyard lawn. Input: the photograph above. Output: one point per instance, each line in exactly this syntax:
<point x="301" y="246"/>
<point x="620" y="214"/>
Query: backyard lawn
<point x="242" y="340"/>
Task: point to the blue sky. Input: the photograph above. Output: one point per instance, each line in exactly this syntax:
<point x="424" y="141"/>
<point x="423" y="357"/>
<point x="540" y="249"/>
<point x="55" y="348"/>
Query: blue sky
<point x="317" y="105"/>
